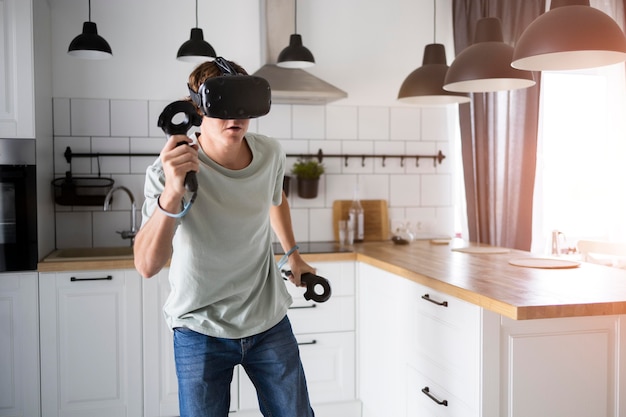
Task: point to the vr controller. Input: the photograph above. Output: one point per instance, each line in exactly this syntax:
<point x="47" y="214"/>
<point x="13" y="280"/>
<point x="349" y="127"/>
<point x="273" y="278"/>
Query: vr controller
<point x="312" y="281"/>
<point x="191" y="118"/>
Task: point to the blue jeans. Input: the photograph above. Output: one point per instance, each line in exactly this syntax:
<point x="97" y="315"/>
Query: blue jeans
<point x="204" y="366"/>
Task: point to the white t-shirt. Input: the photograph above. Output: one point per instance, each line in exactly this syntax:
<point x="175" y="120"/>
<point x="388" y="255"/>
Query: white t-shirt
<point x="223" y="276"/>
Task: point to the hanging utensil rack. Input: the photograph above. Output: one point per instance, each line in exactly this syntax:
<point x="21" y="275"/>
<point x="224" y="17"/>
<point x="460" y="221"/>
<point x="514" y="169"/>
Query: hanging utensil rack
<point x="320" y="155"/>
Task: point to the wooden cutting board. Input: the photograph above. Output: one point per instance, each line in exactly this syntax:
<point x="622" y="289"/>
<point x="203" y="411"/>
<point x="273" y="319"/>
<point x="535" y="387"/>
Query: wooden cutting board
<point x="375" y="217"/>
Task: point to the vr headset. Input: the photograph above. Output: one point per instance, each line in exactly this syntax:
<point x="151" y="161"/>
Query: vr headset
<point x="233" y="95"/>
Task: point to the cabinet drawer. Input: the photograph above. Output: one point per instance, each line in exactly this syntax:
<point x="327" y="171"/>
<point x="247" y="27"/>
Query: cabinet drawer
<point x="329" y="366"/>
<point x="446" y="309"/>
<point x="447" y="334"/>
<point x="445" y="342"/>
<point x="426" y="398"/>
<point x="335" y="315"/>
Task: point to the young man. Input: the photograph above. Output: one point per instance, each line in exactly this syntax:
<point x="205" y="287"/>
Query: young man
<point x="228" y="301"/>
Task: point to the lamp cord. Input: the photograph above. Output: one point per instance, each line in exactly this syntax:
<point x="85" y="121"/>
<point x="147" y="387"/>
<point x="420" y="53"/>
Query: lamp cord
<point x="295" y="17"/>
<point x="196" y="13"/>
<point x="434" y="21"/>
<point x="90" y="10"/>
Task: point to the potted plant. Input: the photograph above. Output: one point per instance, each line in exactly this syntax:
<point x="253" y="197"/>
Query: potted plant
<point x="308" y="173"/>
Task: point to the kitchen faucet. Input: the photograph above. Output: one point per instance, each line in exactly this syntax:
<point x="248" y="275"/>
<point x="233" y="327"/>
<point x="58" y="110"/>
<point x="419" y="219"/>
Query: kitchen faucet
<point x="126" y="234"/>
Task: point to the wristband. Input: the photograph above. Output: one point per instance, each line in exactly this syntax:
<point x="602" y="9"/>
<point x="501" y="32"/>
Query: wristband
<point x="186" y="207"/>
<point x="285" y="257"/>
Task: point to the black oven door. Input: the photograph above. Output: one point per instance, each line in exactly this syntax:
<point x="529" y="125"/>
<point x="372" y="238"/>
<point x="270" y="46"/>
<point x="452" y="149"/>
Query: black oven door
<point x="18" y="218"/>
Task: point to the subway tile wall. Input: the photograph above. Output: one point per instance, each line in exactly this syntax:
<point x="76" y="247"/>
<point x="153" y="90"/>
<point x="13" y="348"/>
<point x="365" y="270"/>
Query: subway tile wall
<point x="418" y="192"/>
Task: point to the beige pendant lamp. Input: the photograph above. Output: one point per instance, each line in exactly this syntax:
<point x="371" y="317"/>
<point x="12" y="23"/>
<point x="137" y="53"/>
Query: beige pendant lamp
<point x="571" y="35"/>
<point x="424" y="86"/>
<point x="485" y="66"/>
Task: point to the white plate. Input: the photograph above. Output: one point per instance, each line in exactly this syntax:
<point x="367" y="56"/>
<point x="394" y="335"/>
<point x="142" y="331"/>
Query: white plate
<point x="548" y="263"/>
<point x="482" y="249"/>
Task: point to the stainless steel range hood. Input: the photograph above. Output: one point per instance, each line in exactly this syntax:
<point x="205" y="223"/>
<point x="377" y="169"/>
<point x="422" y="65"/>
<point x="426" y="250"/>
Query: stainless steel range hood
<point x="289" y="86"/>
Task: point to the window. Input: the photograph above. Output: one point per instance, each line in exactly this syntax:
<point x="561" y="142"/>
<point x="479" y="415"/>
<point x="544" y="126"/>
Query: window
<point x="580" y="187"/>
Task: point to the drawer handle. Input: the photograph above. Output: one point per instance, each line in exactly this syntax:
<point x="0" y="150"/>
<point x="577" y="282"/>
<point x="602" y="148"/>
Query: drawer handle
<point x="300" y="307"/>
<point x="310" y="342"/>
<point x="426" y="391"/>
<point x="108" y="278"/>
<point x="439" y="303"/>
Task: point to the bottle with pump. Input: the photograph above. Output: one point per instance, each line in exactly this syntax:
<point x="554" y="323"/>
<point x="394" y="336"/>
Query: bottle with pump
<point x="356" y="217"/>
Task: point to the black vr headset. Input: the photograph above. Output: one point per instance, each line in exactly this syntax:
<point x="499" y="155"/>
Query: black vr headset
<point x="233" y="95"/>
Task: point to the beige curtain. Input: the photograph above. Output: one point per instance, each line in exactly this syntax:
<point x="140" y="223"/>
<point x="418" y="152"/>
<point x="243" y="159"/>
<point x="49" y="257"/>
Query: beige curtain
<point x="499" y="135"/>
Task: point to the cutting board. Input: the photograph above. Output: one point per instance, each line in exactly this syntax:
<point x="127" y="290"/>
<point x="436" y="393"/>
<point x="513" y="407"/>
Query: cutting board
<point x="375" y="218"/>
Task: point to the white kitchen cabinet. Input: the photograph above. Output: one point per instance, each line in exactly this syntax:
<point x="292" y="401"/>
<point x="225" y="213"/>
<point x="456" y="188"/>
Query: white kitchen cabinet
<point x="459" y="359"/>
<point x="326" y="335"/>
<point x="17" y="107"/>
<point x="560" y="367"/>
<point x="19" y="345"/>
<point x="91" y="342"/>
<point x="420" y="350"/>
<point x="160" y="383"/>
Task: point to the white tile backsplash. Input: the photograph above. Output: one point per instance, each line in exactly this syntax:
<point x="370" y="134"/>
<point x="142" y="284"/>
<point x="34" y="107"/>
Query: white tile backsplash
<point x="415" y="193"/>
<point x="90" y="117"/>
<point x="73" y="229"/>
<point x="405" y="123"/>
<point x="374" y="123"/>
<point x="308" y="122"/>
<point x="129" y="118"/>
<point x="341" y="122"/>
<point x="277" y="123"/>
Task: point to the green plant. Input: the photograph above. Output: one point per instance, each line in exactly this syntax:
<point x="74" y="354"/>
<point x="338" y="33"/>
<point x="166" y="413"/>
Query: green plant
<point x="307" y="169"/>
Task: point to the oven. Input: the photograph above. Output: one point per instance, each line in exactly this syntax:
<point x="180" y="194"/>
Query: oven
<point x="18" y="205"/>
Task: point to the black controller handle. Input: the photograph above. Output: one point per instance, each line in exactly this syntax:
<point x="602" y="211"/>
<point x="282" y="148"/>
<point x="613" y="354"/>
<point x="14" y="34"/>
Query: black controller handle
<point x="191" y="118"/>
<point x="311" y="281"/>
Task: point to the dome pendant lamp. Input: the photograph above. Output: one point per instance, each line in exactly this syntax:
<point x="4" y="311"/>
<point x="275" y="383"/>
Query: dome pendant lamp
<point x="196" y="49"/>
<point x="485" y="66"/>
<point x="296" y="55"/>
<point x="571" y="35"/>
<point x="424" y="86"/>
<point x="89" y="45"/>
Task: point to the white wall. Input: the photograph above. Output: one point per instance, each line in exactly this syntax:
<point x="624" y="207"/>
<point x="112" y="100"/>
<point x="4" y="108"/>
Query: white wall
<point x="365" y="47"/>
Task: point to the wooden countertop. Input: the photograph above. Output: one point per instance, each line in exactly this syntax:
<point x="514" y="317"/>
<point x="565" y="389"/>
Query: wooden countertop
<point x="487" y="280"/>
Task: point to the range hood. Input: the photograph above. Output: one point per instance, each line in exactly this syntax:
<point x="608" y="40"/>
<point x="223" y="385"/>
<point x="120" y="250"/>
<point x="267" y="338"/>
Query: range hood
<point x="289" y="86"/>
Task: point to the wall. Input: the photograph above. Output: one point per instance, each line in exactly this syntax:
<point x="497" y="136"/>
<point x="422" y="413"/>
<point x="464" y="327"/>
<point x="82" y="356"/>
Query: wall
<point x="113" y="105"/>
<point x="417" y="193"/>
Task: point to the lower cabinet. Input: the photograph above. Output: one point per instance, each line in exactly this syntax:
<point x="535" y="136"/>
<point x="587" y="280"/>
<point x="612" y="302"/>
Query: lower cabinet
<point x="91" y="342"/>
<point x="424" y="353"/>
<point x="325" y="333"/>
<point x="19" y="345"/>
<point x="562" y="367"/>
<point x="420" y="350"/>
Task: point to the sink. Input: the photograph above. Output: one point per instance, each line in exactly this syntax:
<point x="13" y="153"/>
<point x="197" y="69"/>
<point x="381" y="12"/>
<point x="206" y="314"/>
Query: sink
<point x="86" y="254"/>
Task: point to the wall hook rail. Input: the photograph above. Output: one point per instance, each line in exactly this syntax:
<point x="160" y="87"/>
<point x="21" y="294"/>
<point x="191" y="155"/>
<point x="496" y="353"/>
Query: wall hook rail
<point x="320" y="155"/>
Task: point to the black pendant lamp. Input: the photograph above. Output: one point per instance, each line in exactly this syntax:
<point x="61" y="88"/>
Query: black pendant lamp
<point x="90" y="45"/>
<point x="296" y="55"/>
<point x="424" y="86"/>
<point x="196" y="49"/>
<point x="485" y="66"/>
<point x="571" y="35"/>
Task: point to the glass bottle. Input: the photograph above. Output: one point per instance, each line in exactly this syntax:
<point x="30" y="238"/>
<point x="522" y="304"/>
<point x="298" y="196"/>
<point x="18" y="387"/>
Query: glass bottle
<point x="356" y="217"/>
